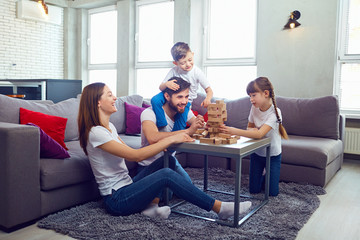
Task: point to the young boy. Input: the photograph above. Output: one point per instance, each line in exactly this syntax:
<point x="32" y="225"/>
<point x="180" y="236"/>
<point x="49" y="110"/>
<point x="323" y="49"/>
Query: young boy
<point x="185" y="69"/>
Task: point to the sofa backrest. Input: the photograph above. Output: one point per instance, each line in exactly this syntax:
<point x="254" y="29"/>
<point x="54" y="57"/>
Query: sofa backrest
<point x="315" y="117"/>
<point x="9" y="112"/>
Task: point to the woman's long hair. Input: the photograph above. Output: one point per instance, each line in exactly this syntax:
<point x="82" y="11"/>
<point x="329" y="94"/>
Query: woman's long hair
<point x="260" y="85"/>
<point x="88" y="111"/>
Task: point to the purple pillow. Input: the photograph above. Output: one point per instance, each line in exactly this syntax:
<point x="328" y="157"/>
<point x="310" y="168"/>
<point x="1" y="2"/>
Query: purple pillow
<point x="144" y="105"/>
<point x="133" y="123"/>
<point x="49" y="148"/>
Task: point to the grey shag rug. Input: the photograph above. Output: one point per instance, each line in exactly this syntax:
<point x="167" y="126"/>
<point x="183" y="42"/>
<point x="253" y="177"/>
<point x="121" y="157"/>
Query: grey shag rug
<point x="281" y="218"/>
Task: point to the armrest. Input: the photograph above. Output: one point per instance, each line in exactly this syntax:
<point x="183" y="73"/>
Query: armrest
<point x="19" y="174"/>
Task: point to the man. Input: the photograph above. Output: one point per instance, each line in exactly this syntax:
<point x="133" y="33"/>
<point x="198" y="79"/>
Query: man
<point x="176" y="102"/>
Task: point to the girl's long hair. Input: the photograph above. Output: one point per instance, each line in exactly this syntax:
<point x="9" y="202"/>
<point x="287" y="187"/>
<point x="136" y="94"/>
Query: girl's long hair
<point x="88" y="112"/>
<point x="260" y="85"/>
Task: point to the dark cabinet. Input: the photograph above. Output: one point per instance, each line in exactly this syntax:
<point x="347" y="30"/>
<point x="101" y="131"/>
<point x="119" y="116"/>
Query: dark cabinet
<point x="40" y="89"/>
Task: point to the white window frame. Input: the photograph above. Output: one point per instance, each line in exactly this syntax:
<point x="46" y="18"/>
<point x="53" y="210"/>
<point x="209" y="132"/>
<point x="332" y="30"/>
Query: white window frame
<point x="149" y="64"/>
<point x="342" y="56"/>
<point x="107" y="66"/>
<point x="221" y="62"/>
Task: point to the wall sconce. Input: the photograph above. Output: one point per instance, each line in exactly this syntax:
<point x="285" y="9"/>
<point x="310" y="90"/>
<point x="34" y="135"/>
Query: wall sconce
<point x="44" y="6"/>
<point x="292" y="23"/>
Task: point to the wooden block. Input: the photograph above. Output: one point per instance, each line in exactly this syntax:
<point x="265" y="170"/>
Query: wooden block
<point x="197" y="136"/>
<point x="214" y="107"/>
<point x="204" y="133"/>
<point x="231" y="140"/>
<point x="217" y="141"/>
<point x="212" y="119"/>
<point x="235" y="136"/>
<point x="219" y="101"/>
<point x="199" y="131"/>
<point x="215" y="112"/>
<point x="214" y="124"/>
<point x="224" y="135"/>
<point x="207" y="140"/>
<point x="210" y="129"/>
<point x="212" y="135"/>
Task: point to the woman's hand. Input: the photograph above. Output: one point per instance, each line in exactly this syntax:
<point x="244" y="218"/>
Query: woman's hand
<point x="179" y="138"/>
<point x="172" y="85"/>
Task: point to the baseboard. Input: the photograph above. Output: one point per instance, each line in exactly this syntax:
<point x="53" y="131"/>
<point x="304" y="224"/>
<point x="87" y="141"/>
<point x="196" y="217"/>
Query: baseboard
<point x="17" y="227"/>
<point x="351" y="156"/>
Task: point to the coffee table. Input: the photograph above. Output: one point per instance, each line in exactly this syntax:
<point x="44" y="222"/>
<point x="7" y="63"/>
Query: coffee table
<point x="243" y="148"/>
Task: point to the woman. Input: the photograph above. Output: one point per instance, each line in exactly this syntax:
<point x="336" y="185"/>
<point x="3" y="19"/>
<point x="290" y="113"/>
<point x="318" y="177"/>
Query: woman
<point x="123" y="195"/>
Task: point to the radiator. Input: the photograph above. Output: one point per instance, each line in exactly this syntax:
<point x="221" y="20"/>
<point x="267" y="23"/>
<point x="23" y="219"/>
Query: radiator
<point x="352" y="140"/>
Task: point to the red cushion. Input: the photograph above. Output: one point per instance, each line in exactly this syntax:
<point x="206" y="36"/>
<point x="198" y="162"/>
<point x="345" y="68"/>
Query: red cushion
<point x="52" y="125"/>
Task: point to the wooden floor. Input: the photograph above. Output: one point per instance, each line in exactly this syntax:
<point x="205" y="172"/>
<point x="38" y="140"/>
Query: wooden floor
<point x="338" y="216"/>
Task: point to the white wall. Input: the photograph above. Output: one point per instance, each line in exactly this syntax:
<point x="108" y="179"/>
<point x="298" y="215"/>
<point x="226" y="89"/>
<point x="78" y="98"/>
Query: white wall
<point x="29" y="49"/>
<point x="299" y="62"/>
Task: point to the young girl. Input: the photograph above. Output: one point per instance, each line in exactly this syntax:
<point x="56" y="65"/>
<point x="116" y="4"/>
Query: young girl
<point x="264" y="121"/>
<point x="123" y="195"/>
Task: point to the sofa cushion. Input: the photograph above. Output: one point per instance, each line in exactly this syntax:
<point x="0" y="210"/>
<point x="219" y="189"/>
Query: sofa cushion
<point x="118" y="118"/>
<point x="55" y="173"/>
<point x="9" y="112"/>
<point x="133" y="123"/>
<point x="53" y="126"/>
<point x="237" y="110"/>
<point x="49" y="148"/>
<point x="310" y="151"/>
<point x="314" y="117"/>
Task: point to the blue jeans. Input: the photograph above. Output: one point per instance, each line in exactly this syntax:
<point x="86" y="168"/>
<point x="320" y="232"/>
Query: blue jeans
<point x="157" y="102"/>
<point x="143" y="171"/>
<point x="257" y="166"/>
<point x="137" y="196"/>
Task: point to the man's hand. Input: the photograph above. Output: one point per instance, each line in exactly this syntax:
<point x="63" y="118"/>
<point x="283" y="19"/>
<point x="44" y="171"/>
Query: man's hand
<point x="197" y="123"/>
<point x="172" y="85"/>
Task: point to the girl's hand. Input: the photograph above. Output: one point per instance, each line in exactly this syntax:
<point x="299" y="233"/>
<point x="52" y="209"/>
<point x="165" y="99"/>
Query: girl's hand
<point x="172" y="85"/>
<point x="206" y="103"/>
<point x="226" y="129"/>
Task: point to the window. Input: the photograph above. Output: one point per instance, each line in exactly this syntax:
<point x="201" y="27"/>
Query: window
<point x="102" y="45"/>
<point x="230" y="43"/>
<point x="154" y="39"/>
<point x="347" y="82"/>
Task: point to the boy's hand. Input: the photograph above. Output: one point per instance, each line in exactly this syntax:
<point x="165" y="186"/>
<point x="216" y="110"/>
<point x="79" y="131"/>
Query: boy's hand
<point x="206" y="103"/>
<point x="172" y="85"/>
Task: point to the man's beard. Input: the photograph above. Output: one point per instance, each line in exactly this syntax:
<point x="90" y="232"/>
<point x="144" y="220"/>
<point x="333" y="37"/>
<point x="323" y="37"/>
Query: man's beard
<point x="175" y="108"/>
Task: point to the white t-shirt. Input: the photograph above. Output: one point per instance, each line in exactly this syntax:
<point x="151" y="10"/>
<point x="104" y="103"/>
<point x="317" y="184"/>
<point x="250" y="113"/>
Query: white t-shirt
<point x="109" y="170"/>
<point x="268" y="117"/>
<point x="148" y="114"/>
<point x="195" y="77"/>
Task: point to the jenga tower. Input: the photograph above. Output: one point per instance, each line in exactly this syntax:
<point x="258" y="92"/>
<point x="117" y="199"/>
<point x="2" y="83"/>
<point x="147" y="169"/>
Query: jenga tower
<point x="216" y="116"/>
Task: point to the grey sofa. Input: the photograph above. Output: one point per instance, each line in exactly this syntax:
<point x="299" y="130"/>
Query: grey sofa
<point x="32" y="187"/>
